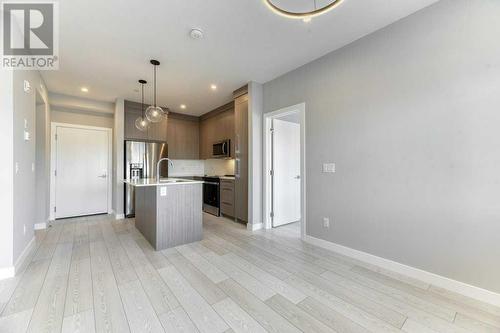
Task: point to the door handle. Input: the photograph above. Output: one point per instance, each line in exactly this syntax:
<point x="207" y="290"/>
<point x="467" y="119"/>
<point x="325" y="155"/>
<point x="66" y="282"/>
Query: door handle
<point x="297" y="177"/>
<point x="103" y="176"/>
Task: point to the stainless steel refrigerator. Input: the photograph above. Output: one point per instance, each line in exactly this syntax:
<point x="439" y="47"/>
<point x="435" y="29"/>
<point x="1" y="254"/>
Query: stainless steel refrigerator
<point x="140" y="162"/>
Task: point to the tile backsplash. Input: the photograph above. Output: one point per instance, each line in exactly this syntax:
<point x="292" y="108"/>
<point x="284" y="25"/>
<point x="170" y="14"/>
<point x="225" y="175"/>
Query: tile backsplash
<point x="211" y="167"/>
<point x="219" y="167"/>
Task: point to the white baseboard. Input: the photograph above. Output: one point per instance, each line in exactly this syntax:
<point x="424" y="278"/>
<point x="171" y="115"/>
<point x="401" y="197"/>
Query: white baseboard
<point x="119" y="216"/>
<point x="10" y="271"/>
<point x="40" y="226"/>
<point x="255" y="227"/>
<point x="7" y="272"/>
<point x="25" y="254"/>
<point x="415" y="273"/>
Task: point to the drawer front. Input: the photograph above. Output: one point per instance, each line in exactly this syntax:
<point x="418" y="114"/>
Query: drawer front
<point x="227" y="183"/>
<point x="226" y="209"/>
<point x="227" y="196"/>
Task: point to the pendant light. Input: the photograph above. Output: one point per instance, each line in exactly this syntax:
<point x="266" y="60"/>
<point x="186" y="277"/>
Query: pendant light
<point x="154" y="113"/>
<point x="141" y="123"/>
<point x="289" y="8"/>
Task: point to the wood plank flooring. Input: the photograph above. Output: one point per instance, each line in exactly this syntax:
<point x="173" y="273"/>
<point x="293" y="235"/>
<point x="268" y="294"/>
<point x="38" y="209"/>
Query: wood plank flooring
<point x="95" y="274"/>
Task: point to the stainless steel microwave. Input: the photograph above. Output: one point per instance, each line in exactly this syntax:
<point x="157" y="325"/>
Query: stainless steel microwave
<point x="222" y="149"/>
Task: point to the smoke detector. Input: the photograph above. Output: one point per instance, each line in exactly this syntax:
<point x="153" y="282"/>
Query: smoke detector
<point x="196" y="33"/>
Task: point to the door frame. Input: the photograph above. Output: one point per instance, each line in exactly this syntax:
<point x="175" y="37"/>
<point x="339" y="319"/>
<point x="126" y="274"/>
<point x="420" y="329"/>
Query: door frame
<point x="267" y="196"/>
<point x="53" y="162"/>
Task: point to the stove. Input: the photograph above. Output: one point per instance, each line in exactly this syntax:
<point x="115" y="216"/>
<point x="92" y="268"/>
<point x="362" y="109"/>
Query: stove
<point x="211" y="195"/>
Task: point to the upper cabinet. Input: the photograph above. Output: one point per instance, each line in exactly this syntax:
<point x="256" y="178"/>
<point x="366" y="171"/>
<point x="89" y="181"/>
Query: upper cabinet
<point x="155" y="132"/>
<point x="183" y="137"/>
<point x="181" y="132"/>
<point x="215" y="126"/>
<point x="241" y="154"/>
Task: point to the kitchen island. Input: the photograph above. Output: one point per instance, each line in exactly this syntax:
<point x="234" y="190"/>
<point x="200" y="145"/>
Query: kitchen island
<point x="168" y="212"/>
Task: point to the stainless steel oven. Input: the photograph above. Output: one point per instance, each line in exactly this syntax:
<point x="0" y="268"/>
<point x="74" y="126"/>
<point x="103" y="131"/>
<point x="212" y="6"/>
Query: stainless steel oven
<point x="221" y="149"/>
<point x="211" y="195"/>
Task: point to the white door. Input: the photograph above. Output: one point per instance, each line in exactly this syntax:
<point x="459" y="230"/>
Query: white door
<point x="81" y="183"/>
<point x="286" y="172"/>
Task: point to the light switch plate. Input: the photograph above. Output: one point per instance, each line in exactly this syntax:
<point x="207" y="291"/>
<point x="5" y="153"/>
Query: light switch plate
<point x="27" y="86"/>
<point x="328" y="167"/>
<point x="163" y="191"/>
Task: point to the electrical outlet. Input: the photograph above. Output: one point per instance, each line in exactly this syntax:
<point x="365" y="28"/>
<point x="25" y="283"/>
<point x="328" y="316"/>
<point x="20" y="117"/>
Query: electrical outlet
<point x="163" y="191"/>
<point x="326" y="222"/>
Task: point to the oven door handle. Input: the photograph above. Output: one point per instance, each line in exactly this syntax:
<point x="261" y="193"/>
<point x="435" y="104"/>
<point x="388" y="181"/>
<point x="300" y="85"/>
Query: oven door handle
<point x="211" y="183"/>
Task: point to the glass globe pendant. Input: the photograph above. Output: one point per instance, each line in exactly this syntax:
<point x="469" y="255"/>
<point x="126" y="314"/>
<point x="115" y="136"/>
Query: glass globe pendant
<point x="142" y="123"/>
<point x="154" y="113"/>
<point x="302" y="10"/>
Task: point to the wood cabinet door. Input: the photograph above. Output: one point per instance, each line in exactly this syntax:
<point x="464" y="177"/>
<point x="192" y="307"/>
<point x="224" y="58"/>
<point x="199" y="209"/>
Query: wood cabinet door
<point x="183" y="139"/>
<point x="158" y="131"/>
<point x="131" y="132"/>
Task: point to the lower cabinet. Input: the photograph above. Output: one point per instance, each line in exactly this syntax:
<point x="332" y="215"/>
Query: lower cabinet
<point x="227" y="197"/>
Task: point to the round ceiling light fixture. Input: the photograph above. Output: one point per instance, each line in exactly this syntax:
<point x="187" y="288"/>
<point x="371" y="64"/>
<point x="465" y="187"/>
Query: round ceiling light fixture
<point x="303" y="9"/>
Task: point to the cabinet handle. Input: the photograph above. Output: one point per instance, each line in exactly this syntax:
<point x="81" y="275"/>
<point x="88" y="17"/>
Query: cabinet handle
<point x="237" y="173"/>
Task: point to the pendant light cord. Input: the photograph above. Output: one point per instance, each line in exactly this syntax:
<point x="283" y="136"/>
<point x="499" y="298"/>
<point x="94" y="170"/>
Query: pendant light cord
<point x="142" y="100"/>
<point x="154" y="75"/>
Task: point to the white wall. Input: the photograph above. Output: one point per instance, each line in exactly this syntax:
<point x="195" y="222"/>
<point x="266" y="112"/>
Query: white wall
<point x="410" y="115"/>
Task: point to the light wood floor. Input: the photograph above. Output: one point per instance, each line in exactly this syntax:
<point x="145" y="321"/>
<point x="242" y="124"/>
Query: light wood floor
<point x="99" y="275"/>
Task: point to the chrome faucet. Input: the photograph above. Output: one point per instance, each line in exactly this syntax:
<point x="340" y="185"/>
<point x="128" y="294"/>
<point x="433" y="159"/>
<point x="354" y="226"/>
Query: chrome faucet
<point x="158" y="167"/>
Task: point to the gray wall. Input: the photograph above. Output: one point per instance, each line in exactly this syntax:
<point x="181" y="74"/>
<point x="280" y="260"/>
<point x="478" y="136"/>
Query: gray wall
<point x="118" y="156"/>
<point x="42" y="160"/>
<point x="24" y="216"/>
<point x="410" y="115"/>
<point x="255" y="160"/>
<point x="81" y="117"/>
<point x="7" y="174"/>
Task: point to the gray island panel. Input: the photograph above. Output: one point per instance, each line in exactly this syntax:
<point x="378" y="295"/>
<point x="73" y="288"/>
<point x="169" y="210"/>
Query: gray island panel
<point x="171" y="215"/>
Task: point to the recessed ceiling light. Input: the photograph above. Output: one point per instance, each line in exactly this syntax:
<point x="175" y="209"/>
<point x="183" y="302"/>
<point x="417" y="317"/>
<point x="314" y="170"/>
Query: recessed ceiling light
<point x="183" y="106"/>
<point x="84" y="89"/>
<point x="213" y="87"/>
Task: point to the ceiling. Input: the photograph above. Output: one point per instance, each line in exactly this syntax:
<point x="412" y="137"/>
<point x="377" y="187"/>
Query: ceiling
<point x="106" y="45"/>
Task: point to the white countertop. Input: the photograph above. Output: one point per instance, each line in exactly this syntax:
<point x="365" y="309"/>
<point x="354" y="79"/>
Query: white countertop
<point x="162" y="182"/>
<point x="227" y="177"/>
